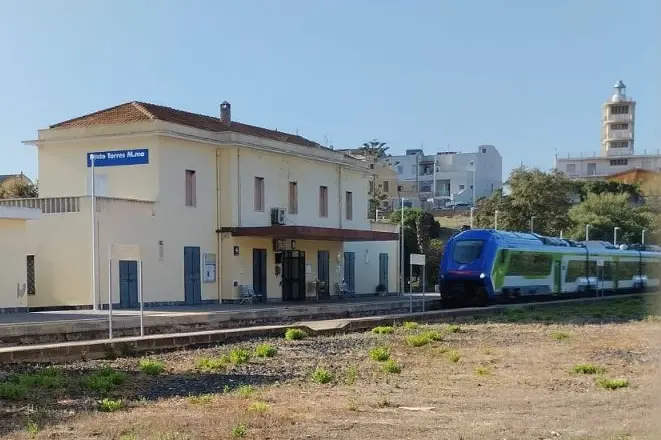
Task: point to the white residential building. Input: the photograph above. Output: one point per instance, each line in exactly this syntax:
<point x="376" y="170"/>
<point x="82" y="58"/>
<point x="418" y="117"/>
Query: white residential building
<point x="617" y="143"/>
<point x="450" y="177"/>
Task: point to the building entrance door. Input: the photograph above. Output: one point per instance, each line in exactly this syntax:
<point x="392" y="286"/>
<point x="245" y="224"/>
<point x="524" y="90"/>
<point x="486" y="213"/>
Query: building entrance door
<point x="293" y="276"/>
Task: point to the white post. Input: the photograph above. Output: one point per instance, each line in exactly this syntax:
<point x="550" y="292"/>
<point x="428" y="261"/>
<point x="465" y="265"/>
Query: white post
<point x="615" y="229"/>
<point x="561" y="231"/>
<point x="401" y="256"/>
<point x="109" y="291"/>
<point x="472" y="210"/>
<point x="433" y="197"/>
<point x="142" y="303"/>
<point x="642" y="238"/>
<point x="587" y="232"/>
<point x="495" y="220"/>
<point x="424" y="286"/>
<point x="410" y="286"/>
<point x="95" y="293"/>
<point x="532" y="224"/>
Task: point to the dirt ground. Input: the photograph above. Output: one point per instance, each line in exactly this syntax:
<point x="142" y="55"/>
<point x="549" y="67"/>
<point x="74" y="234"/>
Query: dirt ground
<point x="508" y="377"/>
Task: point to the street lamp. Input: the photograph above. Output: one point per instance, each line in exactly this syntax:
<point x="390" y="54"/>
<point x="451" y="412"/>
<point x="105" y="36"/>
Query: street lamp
<point x="472" y="163"/>
<point x="615" y="229"/>
<point x="401" y="250"/>
<point x="495" y="220"/>
<point x="532" y="224"/>
<point x="587" y="232"/>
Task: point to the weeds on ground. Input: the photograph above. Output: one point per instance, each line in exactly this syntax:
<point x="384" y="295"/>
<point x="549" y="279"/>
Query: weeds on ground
<point x="612" y="384"/>
<point x="259" y="407"/>
<point x="239" y="431"/>
<point x="482" y="371"/>
<point x="104" y="380"/>
<point x="383" y="330"/>
<point x="12" y="391"/>
<point x="266" y="350"/>
<point x="110" y="405"/>
<point x="294" y="334"/>
<point x="246" y="390"/>
<point x="210" y="365"/>
<point x="32" y="429"/>
<point x="151" y="367"/>
<point x="128" y="436"/>
<point x="352" y="375"/>
<point x="200" y="399"/>
<point x="321" y="375"/>
<point x="49" y="377"/>
<point x="432" y="335"/>
<point x="390" y="366"/>
<point x="410" y="325"/>
<point x="453" y="328"/>
<point x="239" y="356"/>
<point x="417" y="340"/>
<point x="588" y="369"/>
<point x="352" y="405"/>
<point x="380" y="354"/>
<point x="559" y="336"/>
<point x="454" y="356"/>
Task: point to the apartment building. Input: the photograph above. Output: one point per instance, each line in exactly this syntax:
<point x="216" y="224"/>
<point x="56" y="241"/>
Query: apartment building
<point x="449" y="177"/>
<point x="617" y="153"/>
<point x="207" y="206"/>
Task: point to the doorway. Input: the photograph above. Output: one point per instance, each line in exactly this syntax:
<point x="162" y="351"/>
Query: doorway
<point x="557" y="277"/>
<point x="259" y="274"/>
<point x="192" y="287"/>
<point x="349" y="271"/>
<point x="323" y="269"/>
<point x="383" y="270"/>
<point x="128" y="284"/>
<point x="293" y="276"/>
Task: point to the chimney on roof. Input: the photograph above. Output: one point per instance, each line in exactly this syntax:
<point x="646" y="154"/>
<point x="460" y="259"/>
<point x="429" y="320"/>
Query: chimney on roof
<point x="226" y="113"/>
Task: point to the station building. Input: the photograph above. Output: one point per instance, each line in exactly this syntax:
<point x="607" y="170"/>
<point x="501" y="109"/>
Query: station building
<point x="210" y="206"/>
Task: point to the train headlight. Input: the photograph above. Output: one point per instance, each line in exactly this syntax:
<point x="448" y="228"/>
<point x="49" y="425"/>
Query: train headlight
<point x="482" y="275"/>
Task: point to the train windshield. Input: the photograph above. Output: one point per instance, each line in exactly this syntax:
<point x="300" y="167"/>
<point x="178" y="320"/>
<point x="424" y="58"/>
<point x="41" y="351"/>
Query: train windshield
<point x="466" y="251"/>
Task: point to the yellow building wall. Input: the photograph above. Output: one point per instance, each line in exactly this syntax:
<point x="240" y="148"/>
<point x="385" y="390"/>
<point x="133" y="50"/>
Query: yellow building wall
<point x="368" y="266"/>
<point x="13" y="252"/>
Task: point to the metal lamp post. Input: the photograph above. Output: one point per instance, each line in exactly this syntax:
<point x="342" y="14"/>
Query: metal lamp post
<point x="615" y="229"/>
<point x="642" y="237"/>
<point x="587" y="232"/>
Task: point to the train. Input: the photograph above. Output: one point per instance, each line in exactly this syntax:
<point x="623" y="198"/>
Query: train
<point x="486" y="266"/>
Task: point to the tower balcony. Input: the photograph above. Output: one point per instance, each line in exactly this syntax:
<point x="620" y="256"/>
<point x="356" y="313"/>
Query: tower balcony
<point x="618" y="118"/>
<point x="619" y="135"/>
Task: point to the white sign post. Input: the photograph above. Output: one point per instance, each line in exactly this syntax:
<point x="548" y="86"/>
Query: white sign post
<point x="416" y="260"/>
<point x="129" y="252"/>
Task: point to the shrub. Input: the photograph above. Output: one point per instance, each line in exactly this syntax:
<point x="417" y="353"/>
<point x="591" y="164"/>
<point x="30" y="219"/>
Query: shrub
<point x="110" y="405"/>
<point x="246" y="390"/>
<point x="453" y="328"/>
<point x="239" y="431"/>
<point x="380" y="354"/>
<point x="383" y="330"/>
<point x="589" y="369"/>
<point x="417" y="340"/>
<point x="12" y="391"/>
<point x="47" y="378"/>
<point x="392" y="367"/>
<point x="432" y="336"/>
<point x="151" y="367"/>
<point x="239" y="356"/>
<point x="322" y="376"/>
<point x="294" y="334"/>
<point x="481" y="371"/>
<point x="265" y="350"/>
<point x="612" y="384"/>
<point x="104" y="380"/>
<point x="454" y="356"/>
<point x="209" y="365"/>
<point x="260" y="407"/>
<point x="410" y="325"/>
<point x="352" y="375"/>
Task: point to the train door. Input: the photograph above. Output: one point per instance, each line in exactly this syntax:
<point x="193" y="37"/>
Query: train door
<point x="557" y="277"/>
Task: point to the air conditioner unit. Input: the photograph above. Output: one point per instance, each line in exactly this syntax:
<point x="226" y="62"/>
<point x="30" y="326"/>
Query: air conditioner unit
<point x="278" y="216"/>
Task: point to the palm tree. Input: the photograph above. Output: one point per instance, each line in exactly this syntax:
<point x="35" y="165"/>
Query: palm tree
<point x="374" y="151"/>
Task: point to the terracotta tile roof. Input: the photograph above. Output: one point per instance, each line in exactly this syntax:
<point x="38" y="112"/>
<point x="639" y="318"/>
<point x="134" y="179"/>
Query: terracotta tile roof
<point x="142" y="111"/>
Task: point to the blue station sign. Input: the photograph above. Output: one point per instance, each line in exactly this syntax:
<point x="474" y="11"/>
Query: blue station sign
<point x="118" y="158"/>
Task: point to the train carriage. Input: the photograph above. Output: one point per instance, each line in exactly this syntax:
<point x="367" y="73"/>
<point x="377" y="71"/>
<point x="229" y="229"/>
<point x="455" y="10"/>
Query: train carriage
<point x="482" y="265"/>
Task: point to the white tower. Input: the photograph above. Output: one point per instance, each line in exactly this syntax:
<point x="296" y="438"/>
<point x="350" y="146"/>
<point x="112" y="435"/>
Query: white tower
<point x="617" y="123"/>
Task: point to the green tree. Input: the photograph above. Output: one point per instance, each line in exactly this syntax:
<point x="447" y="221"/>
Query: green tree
<point x="21" y="189"/>
<point x="485" y="211"/>
<point x="603" y="212"/>
<point x="374" y="151"/>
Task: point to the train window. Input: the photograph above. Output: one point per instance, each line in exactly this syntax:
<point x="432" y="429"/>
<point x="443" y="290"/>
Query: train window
<point x="466" y="251"/>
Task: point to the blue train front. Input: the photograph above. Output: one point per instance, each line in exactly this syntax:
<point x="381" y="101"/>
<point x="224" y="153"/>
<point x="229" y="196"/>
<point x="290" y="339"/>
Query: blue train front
<point x="465" y="270"/>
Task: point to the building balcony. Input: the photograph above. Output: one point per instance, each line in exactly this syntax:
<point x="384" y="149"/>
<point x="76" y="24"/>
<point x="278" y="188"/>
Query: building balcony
<point x="76" y="204"/>
<point x="618" y="118"/>
<point x="619" y="135"/>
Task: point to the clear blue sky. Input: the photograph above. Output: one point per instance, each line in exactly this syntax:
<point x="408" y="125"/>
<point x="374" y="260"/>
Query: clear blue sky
<point x="526" y="76"/>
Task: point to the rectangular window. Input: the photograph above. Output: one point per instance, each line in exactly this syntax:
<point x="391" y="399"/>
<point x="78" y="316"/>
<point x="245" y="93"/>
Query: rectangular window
<point x="323" y="201"/>
<point x="571" y="168"/>
<point x="619" y="110"/>
<point x="349" y="205"/>
<point x="592" y="168"/>
<point x="619" y="162"/>
<point x="293" y="198"/>
<point x="619" y="144"/>
<point x="386" y="186"/>
<point x="467" y="251"/>
<point x="259" y="194"/>
<point x="30" y="274"/>
<point x="620" y="126"/>
<point x="190" y="188"/>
